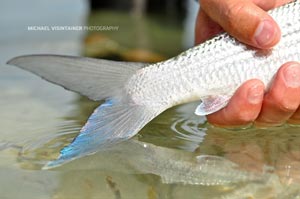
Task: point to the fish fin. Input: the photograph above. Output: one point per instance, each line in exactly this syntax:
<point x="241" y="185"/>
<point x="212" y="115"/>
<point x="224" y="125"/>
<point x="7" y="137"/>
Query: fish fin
<point x="213" y="160"/>
<point x="114" y="121"/>
<point x="212" y="104"/>
<point x="95" y="78"/>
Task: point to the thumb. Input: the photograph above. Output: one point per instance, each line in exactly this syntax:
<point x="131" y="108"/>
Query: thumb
<point x="244" y="20"/>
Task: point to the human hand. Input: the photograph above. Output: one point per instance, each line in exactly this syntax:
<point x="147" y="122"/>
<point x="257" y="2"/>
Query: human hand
<point x="248" y="21"/>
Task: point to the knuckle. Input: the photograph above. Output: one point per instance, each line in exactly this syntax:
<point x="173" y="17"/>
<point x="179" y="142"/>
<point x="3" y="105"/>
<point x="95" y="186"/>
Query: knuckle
<point x="284" y="102"/>
<point x="288" y="104"/>
<point x="233" y="11"/>
<point x="267" y="5"/>
<point x="265" y="120"/>
<point x="246" y="116"/>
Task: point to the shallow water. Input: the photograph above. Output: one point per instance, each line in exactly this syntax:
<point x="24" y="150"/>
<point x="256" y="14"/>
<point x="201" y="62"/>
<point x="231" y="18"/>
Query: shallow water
<point x="177" y="155"/>
<point x="161" y="162"/>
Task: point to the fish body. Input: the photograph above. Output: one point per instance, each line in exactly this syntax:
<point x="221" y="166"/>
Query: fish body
<point x="176" y="166"/>
<point x="217" y="67"/>
<point x="135" y="93"/>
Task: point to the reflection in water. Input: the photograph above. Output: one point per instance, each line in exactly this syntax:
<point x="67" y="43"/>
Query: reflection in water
<point x="252" y="163"/>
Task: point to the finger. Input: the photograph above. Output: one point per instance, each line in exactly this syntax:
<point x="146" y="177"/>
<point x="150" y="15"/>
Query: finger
<point x="270" y="4"/>
<point x="205" y="28"/>
<point x="243" y="108"/>
<point x="283" y="98"/>
<point x="295" y="119"/>
<point x="244" y="20"/>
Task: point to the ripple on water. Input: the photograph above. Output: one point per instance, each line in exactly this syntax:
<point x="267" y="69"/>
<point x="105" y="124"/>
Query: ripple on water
<point x="189" y="129"/>
<point x="36" y="152"/>
<point x="187" y="125"/>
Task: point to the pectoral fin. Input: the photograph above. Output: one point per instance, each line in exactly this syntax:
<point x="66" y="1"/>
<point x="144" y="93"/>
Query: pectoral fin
<point x="212" y="104"/>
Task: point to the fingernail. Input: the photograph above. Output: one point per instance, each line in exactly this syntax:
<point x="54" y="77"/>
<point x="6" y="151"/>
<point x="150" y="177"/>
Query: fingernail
<point x="292" y="76"/>
<point x="265" y="33"/>
<point x="255" y="94"/>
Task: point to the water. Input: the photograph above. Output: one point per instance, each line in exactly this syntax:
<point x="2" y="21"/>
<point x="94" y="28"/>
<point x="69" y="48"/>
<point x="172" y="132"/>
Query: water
<point x="149" y="165"/>
<point x="177" y="155"/>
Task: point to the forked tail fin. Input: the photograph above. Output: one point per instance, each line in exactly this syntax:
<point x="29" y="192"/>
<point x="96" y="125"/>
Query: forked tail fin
<point x="119" y="118"/>
<point x="112" y="122"/>
<point x="95" y="78"/>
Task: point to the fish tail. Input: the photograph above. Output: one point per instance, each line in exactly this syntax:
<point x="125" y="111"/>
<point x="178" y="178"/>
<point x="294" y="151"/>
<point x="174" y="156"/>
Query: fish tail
<point x="97" y="79"/>
<point x="116" y="120"/>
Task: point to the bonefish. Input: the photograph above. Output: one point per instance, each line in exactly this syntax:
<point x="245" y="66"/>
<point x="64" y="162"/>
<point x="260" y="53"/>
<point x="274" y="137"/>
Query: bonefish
<point x="135" y="93"/>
